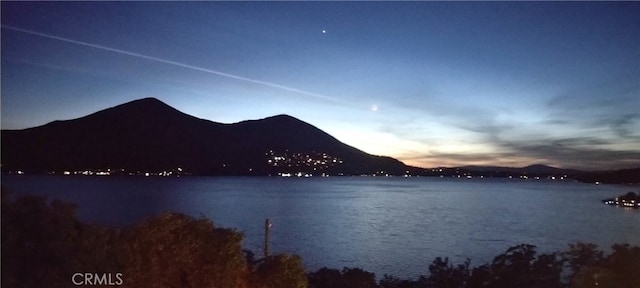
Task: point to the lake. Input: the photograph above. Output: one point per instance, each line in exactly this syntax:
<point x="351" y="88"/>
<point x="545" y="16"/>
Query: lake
<point x="381" y="224"/>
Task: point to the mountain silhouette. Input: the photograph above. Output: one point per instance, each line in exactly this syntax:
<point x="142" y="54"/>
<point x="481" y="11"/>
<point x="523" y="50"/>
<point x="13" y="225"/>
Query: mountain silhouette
<point x="149" y="135"/>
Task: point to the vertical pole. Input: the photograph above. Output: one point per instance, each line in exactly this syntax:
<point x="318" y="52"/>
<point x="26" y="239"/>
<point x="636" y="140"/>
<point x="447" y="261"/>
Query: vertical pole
<point x="267" y="226"/>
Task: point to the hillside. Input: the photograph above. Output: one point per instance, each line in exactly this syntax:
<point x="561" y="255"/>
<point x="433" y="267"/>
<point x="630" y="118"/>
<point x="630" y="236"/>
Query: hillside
<point x="147" y="135"/>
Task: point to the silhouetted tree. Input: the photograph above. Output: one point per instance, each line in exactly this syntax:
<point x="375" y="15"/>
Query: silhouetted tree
<point x="481" y="276"/>
<point x="347" y="278"/>
<point x="519" y="267"/>
<point x="43" y="245"/>
<point x="582" y="255"/>
<point x="592" y="269"/>
<point x="325" y="277"/>
<point x="595" y="277"/>
<point x="444" y="275"/>
<point x="389" y="281"/>
<point x="175" y="250"/>
<point x="42" y="242"/>
<point x="281" y="271"/>
<point x="358" y="278"/>
<point x="625" y="262"/>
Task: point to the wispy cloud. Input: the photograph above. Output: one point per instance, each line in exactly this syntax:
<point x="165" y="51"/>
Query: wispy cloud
<point x="626" y="126"/>
<point x="521" y="154"/>
<point x="583" y="157"/>
<point x="609" y="103"/>
<point x="519" y="145"/>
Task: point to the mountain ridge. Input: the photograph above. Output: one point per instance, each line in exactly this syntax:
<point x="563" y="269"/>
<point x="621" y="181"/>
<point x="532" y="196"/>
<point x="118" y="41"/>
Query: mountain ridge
<point x="147" y="134"/>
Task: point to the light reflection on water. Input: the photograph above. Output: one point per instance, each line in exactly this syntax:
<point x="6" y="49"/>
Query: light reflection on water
<point x="385" y="225"/>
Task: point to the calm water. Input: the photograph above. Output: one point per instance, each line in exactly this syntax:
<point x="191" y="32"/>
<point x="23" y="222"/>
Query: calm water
<point x="384" y="225"/>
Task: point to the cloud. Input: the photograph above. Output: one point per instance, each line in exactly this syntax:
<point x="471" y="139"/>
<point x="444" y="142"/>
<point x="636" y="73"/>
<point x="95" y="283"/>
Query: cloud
<point x="576" y="156"/>
<point x="551" y="153"/>
<point x="594" y="127"/>
<point x="513" y="145"/>
<point x="625" y="126"/>
<point x="609" y="103"/>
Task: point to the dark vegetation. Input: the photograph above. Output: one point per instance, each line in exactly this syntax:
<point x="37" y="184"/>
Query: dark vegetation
<point x="43" y="244"/>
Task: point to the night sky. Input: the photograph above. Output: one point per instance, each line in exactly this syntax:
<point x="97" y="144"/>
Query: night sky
<point x="430" y="83"/>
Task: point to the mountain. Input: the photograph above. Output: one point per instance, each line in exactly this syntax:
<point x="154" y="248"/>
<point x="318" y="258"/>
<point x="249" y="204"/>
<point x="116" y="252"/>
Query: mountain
<point x="147" y="135"/>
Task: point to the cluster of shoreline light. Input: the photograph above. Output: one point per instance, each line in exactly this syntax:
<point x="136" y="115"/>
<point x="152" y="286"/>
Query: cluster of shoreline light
<point x="315" y="160"/>
<point x="456" y="173"/>
<point x="112" y="172"/>
<point x="629" y="203"/>
<point x="302" y="175"/>
<point x="298" y="164"/>
<point x="524" y="177"/>
<point x="180" y="172"/>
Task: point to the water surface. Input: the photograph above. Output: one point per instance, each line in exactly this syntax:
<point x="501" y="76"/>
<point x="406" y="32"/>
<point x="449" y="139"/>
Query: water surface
<point x="385" y="225"/>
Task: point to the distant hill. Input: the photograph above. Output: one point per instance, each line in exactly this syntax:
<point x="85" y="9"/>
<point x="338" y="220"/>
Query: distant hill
<point x="629" y="176"/>
<point x="147" y="135"/>
<point x="536" y="169"/>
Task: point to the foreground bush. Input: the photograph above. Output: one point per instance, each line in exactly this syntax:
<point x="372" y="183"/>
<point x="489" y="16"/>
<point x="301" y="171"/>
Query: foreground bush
<point x="347" y="278"/>
<point x="43" y="245"/>
<point x="280" y="271"/>
<point x="175" y="250"/>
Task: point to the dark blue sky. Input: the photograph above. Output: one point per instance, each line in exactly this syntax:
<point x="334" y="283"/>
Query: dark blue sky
<point x="430" y="83"/>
